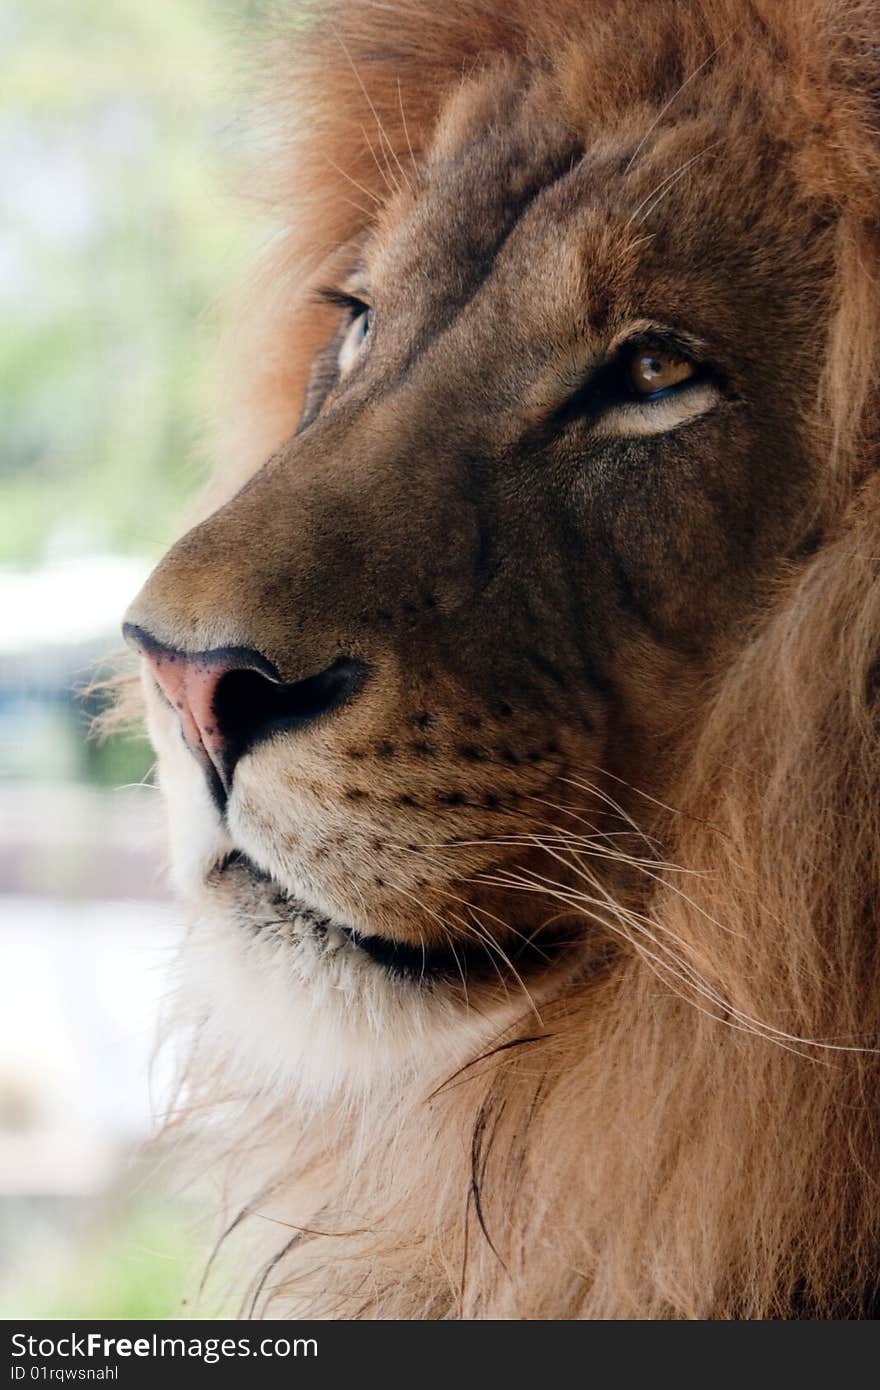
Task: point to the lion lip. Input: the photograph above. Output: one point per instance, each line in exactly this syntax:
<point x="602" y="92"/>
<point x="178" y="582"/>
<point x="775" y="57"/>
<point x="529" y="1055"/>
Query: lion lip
<point x="400" y="958"/>
<point x="403" y="960"/>
<point x="236" y="861"/>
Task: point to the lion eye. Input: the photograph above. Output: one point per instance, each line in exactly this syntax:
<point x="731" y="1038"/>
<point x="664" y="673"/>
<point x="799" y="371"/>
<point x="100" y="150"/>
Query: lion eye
<point x="354" y="339"/>
<point x="652" y="372"/>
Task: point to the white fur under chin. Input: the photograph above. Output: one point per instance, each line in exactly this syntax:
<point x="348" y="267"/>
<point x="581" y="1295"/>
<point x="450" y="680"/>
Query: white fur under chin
<point x="292" y="1014"/>
<point x="315" y="1025"/>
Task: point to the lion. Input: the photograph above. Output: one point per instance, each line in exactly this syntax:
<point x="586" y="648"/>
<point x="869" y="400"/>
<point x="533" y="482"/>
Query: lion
<point x="516" y="693"/>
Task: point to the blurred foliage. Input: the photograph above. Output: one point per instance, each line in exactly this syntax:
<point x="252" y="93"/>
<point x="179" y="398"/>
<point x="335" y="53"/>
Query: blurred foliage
<point x="130" y="1259"/>
<point x="117" y="758"/>
<point x="57" y="740"/>
<point x="119" y="229"/>
<point x="119" y="761"/>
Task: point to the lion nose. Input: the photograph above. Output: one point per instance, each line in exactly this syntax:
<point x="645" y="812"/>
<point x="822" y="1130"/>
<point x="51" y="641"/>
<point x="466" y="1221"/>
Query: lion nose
<point x="232" y="698"/>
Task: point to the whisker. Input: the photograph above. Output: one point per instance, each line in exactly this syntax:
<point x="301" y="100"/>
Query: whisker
<point x="397" y="888"/>
<point x="746" y="1021"/>
<point x="383" y="137"/>
<point x="672" y="100"/>
<point x="384" y="173"/>
<point x="487" y="940"/>
<point x="484" y="912"/>
<point x="666" y="965"/>
<point x="655" y="801"/>
<point x="492" y="945"/>
<point x="665" y="186"/>
<point x="354" y="183"/>
<point x="406" y="132"/>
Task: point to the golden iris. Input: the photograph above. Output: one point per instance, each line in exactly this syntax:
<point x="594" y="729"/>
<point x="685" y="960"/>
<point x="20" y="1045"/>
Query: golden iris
<point x="650" y="372"/>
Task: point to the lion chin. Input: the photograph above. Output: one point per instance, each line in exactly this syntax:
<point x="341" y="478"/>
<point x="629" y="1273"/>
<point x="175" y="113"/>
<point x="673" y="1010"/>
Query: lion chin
<point x="516" y="695"/>
<point x="342" y="1013"/>
<point x="306" y="1006"/>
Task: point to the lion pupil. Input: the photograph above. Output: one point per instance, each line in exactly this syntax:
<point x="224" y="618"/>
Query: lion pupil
<point x="650" y="373"/>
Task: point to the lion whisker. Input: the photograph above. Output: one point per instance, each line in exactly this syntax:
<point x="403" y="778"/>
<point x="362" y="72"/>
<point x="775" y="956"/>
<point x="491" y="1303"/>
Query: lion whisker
<point x="665" y="186"/>
<point x="406" y="133"/>
<point x="666" y="965"/>
<point x="385" y="173"/>
<point x="641" y="923"/>
<point x="397" y="888"/>
<point x="491" y="916"/>
<point x="383" y="137"/>
<point x="493" y="946"/>
<point x="354" y="183"/>
<point x="672" y="100"/>
<point x="647" y="796"/>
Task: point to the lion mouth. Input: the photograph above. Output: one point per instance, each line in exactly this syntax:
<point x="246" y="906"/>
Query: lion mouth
<point x="420" y="963"/>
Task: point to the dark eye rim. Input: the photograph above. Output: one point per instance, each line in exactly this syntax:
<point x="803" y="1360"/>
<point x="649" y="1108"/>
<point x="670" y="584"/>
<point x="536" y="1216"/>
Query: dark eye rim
<point x="366" y="314"/>
<point x="353" y="304"/>
<point x="608" y="385"/>
<point x="639" y="353"/>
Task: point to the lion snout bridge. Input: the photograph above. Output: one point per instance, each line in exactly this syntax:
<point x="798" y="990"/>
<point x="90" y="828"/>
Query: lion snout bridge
<point x="230" y="699"/>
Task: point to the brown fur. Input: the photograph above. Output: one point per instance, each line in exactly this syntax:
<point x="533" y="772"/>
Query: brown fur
<point x="678" y="648"/>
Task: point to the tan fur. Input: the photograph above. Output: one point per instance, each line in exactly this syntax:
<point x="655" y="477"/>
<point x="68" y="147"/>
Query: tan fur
<point x="686" y="1125"/>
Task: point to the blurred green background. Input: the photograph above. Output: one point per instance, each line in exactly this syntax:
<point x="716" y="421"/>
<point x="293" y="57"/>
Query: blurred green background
<point x="121" y="149"/>
<point x="118" y="146"/>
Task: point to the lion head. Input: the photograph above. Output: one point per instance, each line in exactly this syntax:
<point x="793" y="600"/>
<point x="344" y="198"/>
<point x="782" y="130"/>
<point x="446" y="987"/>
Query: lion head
<point x="516" y="716"/>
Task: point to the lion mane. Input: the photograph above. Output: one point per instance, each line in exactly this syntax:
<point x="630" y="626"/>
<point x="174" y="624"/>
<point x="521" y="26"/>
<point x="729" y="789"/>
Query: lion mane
<point x="692" y="1133"/>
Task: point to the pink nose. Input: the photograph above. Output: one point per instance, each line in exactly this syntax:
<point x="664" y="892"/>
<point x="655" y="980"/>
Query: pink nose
<point x="232" y="698"/>
<point x="189" y="683"/>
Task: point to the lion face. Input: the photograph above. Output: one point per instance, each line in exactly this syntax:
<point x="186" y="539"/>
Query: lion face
<point x="554" y="449"/>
